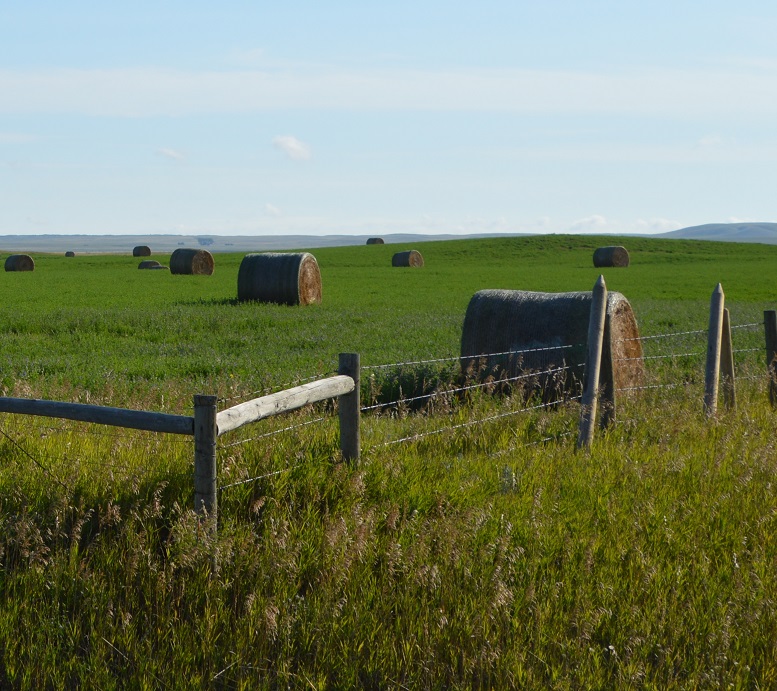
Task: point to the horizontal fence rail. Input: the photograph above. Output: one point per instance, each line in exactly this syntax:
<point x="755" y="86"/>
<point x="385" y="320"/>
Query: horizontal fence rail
<point x="282" y="402"/>
<point x="101" y="415"/>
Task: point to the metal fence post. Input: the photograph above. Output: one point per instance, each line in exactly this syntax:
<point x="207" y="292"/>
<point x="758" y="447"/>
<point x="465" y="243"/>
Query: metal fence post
<point x="349" y="410"/>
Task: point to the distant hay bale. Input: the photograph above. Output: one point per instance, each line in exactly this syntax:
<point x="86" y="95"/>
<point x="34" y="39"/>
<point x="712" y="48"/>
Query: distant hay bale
<point x="508" y="333"/>
<point x="19" y="262"/>
<point x="70" y="254"/>
<point x="410" y="258"/>
<point x="141" y="251"/>
<point x="150" y="264"/>
<point x="375" y="241"/>
<point x="191" y="262"/>
<point x="611" y="256"/>
<point x="285" y="278"/>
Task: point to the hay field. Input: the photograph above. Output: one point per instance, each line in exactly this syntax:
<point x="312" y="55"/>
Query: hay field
<point x="483" y="551"/>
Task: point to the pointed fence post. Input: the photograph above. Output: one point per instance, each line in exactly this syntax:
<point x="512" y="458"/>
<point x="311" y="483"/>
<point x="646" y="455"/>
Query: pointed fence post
<point x="205" y="434"/>
<point x="349" y="410"/>
<point x="727" y="375"/>
<point x="770" y="329"/>
<point x="593" y="363"/>
<point x="714" y="336"/>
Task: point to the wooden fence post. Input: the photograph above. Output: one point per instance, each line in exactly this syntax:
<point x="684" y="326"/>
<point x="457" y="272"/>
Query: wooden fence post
<point x="607" y="379"/>
<point x="205" y="434"/>
<point x="714" y="334"/>
<point x="349" y="409"/>
<point x="770" y="329"/>
<point x="593" y="363"/>
<point x="727" y="364"/>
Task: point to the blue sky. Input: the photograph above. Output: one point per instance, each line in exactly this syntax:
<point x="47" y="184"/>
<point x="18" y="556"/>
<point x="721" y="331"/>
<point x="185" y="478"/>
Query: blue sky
<point x="360" y="118"/>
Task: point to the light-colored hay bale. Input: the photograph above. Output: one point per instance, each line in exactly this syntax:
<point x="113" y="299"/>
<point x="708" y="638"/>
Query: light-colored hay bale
<point x="149" y="264"/>
<point x="141" y="251"/>
<point x="70" y="254"/>
<point x="410" y="258"/>
<point x="285" y="278"/>
<point x="375" y="241"/>
<point x="611" y="256"/>
<point x="191" y="262"/>
<point x="551" y="330"/>
<point x="19" y="262"/>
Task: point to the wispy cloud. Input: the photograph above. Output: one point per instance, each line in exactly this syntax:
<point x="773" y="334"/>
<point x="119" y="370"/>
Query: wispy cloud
<point x="589" y="224"/>
<point x="272" y="210"/>
<point x="173" y="154"/>
<point x="16" y="138"/>
<point x="292" y="147"/>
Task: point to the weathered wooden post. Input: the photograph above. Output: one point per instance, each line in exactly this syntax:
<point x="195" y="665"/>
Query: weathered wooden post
<point x="205" y="434"/>
<point x="714" y="334"/>
<point x="727" y="364"/>
<point x="607" y="379"/>
<point x="770" y="329"/>
<point x="593" y="363"/>
<point x="349" y="409"/>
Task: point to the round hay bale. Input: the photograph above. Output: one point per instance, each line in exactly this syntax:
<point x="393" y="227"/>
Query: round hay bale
<point x="141" y="251"/>
<point x="410" y="258"/>
<point x="19" y="262"/>
<point x="611" y="256"/>
<point x="508" y="333"/>
<point x="70" y="254"/>
<point x="191" y="262"/>
<point x="375" y="241"/>
<point x="285" y="278"/>
<point x="149" y="264"/>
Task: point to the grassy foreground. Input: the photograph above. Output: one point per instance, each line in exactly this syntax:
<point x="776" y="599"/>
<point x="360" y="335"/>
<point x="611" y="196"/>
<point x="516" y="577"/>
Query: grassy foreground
<point x="492" y="555"/>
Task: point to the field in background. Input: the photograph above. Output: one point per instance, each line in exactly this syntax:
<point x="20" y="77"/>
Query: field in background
<point x="489" y="555"/>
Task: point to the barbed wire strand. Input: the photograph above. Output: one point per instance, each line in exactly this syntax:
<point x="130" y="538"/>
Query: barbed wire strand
<point x="470" y="423"/>
<point x="272" y="433"/>
<point x="495" y="382"/>
<point x="46" y="471"/>
<point x="472" y="357"/>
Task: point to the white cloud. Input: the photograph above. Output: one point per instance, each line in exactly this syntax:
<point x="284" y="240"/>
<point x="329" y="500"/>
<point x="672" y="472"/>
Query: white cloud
<point x="292" y="147"/>
<point x="16" y="138"/>
<point x="272" y="210"/>
<point x="171" y="153"/>
<point x="590" y="224"/>
<point x="656" y="225"/>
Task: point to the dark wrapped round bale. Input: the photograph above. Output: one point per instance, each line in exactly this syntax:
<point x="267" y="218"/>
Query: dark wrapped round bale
<point x="70" y="254"/>
<point x="141" y="251"/>
<point x="510" y="333"/>
<point x="410" y="258"/>
<point x="150" y="264"/>
<point x="191" y="262"/>
<point x="611" y="256"/>
<point x="19" y="262"/>
<point x="285" y="278"/>
<point x="375" y="241"/>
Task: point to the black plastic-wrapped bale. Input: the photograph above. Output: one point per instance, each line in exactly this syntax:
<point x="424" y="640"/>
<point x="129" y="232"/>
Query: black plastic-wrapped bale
<point x="280" y="277"/>
<point x="141" y="251"/>
<point x="411" y="258"/>
<point x="513" y="333"/>
<point x="149" y="264"/>
<point x="19" y="262"/>
<point x="191" y="262"/>
<point x="375" y="241"/>
<point x="70" y="253"/>
<point x="611" y="257"/>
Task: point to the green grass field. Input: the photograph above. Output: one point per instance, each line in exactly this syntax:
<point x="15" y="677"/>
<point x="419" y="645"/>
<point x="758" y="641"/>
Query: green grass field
<point x="483" y="552"/>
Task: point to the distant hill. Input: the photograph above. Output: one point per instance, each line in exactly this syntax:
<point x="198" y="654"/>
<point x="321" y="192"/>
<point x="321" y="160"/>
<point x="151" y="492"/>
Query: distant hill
<point x="159" y="244"/>
<point x="728" y="232"/>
